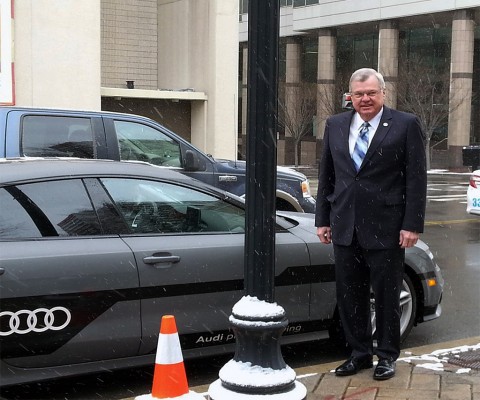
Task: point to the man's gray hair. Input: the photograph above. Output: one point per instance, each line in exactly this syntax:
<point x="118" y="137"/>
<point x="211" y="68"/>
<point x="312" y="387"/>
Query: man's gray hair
<point x="362" y="74"/>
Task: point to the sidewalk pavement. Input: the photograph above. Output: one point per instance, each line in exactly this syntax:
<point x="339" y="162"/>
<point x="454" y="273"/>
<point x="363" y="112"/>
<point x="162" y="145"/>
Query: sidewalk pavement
<point x="443" y="371"/>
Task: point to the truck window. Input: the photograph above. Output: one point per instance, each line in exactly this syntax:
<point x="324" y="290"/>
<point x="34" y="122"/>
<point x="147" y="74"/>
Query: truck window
<point x="140" y="142"/>
<point x="52" y="136"/>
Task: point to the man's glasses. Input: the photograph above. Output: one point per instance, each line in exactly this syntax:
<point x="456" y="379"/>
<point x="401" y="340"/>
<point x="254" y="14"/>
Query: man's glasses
<point x="371" y="93"/>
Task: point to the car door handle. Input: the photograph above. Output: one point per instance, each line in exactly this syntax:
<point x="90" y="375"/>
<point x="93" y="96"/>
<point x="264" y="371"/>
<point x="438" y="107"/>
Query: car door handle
<point x="2" y="271"/>
<point x="158" y="260"/>
<point x="227" y="178"/>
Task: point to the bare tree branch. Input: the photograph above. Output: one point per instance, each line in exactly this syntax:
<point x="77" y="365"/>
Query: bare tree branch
<point x="296" y="112"/>
<point x="424" y="91"/>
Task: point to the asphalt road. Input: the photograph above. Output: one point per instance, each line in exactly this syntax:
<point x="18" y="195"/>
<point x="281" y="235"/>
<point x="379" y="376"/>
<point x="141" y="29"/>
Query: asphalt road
<point x="454" y="238"/>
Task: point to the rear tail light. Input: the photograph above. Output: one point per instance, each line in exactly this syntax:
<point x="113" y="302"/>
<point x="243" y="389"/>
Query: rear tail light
<point x="475" y="181"/>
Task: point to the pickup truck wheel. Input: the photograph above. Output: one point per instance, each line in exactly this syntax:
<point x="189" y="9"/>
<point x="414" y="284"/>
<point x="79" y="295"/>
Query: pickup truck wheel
<point x="283" y="205"/>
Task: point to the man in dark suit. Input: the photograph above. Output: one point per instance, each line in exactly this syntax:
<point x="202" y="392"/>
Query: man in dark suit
<point x="371" y="204"/>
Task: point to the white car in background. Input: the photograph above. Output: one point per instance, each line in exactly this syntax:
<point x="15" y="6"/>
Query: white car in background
<point x="473" y="193"/>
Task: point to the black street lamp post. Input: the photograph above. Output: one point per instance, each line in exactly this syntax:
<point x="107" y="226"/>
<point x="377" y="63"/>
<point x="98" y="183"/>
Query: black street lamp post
<point x="258" y="367"/>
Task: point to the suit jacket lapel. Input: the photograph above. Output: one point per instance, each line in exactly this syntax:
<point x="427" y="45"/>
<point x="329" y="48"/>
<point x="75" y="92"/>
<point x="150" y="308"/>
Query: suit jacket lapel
<point x="381" y="132"/>
<point x="345" y="134"/>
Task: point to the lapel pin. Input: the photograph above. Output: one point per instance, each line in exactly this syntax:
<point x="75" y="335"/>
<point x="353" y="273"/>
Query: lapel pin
<point x="385" y="124"/>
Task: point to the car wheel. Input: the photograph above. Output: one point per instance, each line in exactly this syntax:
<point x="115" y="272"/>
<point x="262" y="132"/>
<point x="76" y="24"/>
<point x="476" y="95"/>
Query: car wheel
<point x="408" y="308"/>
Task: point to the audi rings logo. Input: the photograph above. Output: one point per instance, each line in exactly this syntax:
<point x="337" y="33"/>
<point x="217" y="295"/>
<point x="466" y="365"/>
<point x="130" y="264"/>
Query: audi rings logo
<point x="38" y="320"/>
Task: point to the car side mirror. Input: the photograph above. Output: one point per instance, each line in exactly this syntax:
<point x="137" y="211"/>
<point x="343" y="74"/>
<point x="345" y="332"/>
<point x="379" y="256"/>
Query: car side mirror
<point x="193" y="162"/>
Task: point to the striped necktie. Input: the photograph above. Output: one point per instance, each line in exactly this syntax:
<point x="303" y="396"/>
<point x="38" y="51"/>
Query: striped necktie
<point x="361" y="146"/>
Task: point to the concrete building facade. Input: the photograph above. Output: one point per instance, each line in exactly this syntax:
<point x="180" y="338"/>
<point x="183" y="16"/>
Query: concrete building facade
<point x="175" y="61"/>
<point x="323" y="42"/>
<point x="57" y="56"/>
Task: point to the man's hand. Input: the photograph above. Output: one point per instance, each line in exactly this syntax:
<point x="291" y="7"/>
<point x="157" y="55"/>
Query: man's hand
<point x="408" y="239"/>
<point x="324" y="233"/>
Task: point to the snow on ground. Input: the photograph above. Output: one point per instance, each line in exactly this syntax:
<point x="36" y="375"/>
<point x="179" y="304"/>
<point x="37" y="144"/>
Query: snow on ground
<point x="437" y="359"/>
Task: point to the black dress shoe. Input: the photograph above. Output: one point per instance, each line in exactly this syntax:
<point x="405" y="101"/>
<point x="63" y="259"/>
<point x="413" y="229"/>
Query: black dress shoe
<point x="353" y="365"/>
<point x="385" y="369"/>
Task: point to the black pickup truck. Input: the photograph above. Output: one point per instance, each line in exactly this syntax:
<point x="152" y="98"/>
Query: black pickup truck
<point x="33" y="132"/>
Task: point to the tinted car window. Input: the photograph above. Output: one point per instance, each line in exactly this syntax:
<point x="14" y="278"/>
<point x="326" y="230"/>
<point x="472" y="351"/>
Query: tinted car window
<point x="45" y="136"/>
<point x="140" y="142"/>
<point x="156" y="207"/>
<point x="57" y="208"/>
<point x="14" y="219"/>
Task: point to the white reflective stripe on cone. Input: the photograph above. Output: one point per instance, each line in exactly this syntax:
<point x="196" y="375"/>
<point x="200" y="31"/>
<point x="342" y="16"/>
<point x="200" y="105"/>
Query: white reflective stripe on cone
<point x="168" y="349"/>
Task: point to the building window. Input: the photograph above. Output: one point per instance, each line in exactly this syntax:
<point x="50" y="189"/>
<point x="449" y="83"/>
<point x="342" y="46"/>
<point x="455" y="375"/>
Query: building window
<point x="365" y="51"/>
<point x="243" y="9"/>
<point x="282" y="61"/>
<point x="310" y="59"/>
<point x="431" y="44"/>
<point x="243" y="6"/>
<point x="302" y="3"/>
<point x="475" y="131"/>
<point x="356" y="51"/>
<point x="424" y="68"/>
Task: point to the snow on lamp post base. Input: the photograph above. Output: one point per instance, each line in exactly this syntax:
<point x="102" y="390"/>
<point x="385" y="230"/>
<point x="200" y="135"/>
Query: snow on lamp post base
<point x="257" y="370"/>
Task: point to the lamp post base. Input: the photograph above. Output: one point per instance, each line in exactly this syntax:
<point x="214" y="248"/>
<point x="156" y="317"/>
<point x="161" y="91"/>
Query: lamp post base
<point x="257" y="369"/>
<point x="217" y="391"/>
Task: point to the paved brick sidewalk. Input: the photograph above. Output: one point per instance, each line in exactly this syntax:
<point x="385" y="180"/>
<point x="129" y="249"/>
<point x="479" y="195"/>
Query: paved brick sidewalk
<point x="410" y="382"/>
<point x="423" y="373"/>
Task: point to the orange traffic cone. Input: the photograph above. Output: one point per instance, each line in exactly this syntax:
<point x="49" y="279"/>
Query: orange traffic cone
<point x="169" y="377"/>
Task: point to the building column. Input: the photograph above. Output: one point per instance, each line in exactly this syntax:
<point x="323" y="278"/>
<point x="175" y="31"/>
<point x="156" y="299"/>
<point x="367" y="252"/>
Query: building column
<point x="292" y="93"/>
<point x="244" y="99"/>
<point x="461" y="75"/>
<point x="327" y="57"/>
<point x="388" y="59"/>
